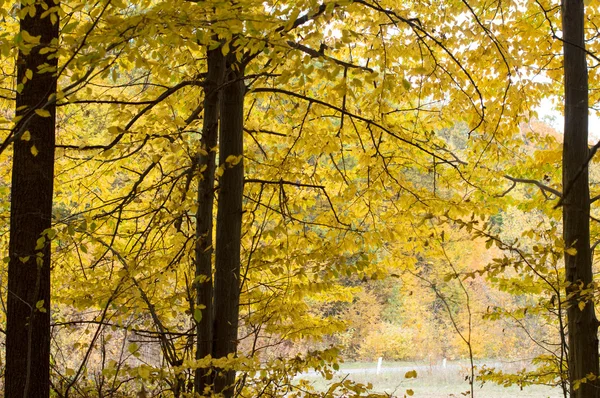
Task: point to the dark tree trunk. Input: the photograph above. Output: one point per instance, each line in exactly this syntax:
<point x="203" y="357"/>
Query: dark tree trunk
<point x="229" y="222"/>
<point x="28" y="317"/>
<point x="582" y="324"/>
<point x="204" y="218"/>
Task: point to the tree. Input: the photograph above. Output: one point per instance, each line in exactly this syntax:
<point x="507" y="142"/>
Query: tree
<point x="582" y="323"/>
<point x="204" y="217"/>
<point x="28" y="316"/>
<point x="229" y="221"/>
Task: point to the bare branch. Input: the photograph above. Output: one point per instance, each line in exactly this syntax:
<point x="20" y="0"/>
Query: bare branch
<point x="281" y="183"/>
<point x="544" y="188"/>
<point x="304" y="19"/>
<point x="355" y="116"/>
<point x="320" y="54"/>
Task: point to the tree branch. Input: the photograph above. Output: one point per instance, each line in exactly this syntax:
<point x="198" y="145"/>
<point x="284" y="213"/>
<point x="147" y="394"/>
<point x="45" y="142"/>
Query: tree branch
<point x="319" y="54"/>
<point x="542" y="187"/>
<point x="355" y="116"/>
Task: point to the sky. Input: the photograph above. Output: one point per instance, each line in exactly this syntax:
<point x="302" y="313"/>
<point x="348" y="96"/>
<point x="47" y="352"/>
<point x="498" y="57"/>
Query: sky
<point x="547" y="113"/>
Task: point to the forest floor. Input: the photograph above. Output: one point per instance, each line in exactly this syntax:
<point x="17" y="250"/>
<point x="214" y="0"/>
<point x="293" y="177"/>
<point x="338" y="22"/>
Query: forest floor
<point x="432" y="381"/>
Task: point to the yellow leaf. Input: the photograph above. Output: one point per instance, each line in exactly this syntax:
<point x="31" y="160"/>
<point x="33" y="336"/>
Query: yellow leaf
<point x="28" y="38"/>
<point x="233" y="160"/>
<point x="115" y="130"/>
<point x="29" y="74"/>
<point x="144" y="372"/>
<point x="411" y="374"/>
<point x="34" y="150"/>
<point x="26" y="136"/>
<point x="410" y="392"/>
<point x="581" y="305"/>
<point x="42" y="113"/>
<point x="571" y="251"/>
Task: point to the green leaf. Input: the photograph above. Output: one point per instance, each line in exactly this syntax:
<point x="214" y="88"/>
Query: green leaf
<point x="197" y="314"/>
<point x="50" y="233"/>
<point x="133" y="348"/>
<point x="40" y="306"/>
<point x="68" y="28"/>
<point x="40" y="243"/>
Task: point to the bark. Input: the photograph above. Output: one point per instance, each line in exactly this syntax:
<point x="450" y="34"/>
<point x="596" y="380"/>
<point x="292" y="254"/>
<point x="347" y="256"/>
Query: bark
<point x="28" y="327"/>
<point x="229" y="223"/>
<point x="204" y="218"/>
<point x="582" y="324"/>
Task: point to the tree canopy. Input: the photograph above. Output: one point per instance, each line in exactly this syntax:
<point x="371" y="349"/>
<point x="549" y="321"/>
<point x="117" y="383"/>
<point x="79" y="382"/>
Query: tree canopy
<point x="230" y="194"/>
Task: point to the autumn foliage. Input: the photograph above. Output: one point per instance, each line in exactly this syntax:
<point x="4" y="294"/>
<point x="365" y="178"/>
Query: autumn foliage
<point x="246" y="191"/>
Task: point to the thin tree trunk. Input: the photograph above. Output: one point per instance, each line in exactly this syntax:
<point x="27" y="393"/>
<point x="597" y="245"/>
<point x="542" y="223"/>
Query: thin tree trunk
<point x="28" y="315"/>
<point x="204" y="217"/>
<point x="582" y="324"/>
<point x="229" y="222"/>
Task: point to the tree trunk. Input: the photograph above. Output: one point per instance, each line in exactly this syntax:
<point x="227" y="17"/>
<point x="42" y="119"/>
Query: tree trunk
<point x="204" y="217"/>
<point x="229" y="222"/>
<point x="582" y="324"/>
<point x="28" y="315"/>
